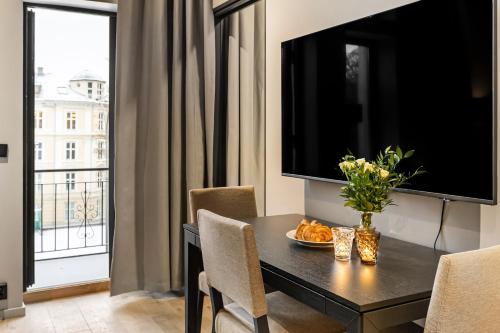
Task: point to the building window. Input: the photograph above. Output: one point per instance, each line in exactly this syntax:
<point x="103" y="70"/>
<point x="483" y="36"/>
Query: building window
<point x="39" y="151"/>
<point x="38" y="217"/>
<point x="100" y="122"/>
<point x="70" y="181"/>
<point x="100" y="150"/>
<point x="99" y="179"/>
<point x="69" y="211"/>
<point x="39" y="119"/>
<point x="89" y="85"/>
<point x="71" y="120"/>
<point x="70" y="150"/>
<point x="38" y="182"/>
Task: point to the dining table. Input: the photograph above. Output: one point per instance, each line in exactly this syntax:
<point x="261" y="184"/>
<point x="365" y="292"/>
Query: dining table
<point x="364" y="298"/>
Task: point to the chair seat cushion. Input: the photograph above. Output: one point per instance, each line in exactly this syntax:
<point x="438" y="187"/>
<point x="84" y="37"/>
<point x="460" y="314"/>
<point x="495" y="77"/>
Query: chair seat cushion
<point x="203" y="283"/>
<point x="285" y="314"/>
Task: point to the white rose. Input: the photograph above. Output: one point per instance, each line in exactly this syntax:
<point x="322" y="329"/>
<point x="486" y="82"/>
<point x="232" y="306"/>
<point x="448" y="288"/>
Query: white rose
<point x="346" y="165"/>
<point x="368" y="167"/>
<point x="384" y="173"/>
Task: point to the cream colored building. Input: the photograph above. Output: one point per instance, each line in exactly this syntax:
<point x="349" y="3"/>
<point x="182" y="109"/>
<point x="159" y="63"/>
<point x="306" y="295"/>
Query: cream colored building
<point x="71" y="131"/>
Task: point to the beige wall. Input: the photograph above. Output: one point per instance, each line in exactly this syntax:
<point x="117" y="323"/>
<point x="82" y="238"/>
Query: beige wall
<point x="11" y="132"/>
<point x="217" y="3"/>
<point x="415" y="218"/>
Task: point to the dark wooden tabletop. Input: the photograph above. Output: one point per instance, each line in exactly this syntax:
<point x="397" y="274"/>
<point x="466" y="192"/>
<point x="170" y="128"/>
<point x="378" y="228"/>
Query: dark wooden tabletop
<point x="405" y="271"/>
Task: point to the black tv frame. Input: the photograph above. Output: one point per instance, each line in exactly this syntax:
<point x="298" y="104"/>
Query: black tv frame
<point x="443" y="196"/>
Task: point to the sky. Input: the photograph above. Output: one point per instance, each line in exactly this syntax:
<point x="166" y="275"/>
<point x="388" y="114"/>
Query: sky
<point x="67" y="43"/>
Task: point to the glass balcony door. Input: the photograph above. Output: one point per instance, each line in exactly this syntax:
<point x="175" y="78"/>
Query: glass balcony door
<point x="70" y="110"/>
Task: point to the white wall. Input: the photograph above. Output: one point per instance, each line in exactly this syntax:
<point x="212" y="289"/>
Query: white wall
<point x="11" y="132"/>
<point x="415" y="218"/>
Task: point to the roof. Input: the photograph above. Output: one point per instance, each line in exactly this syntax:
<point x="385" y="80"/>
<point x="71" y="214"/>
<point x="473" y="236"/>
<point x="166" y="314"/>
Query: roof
<point x="86" y="75"/>
<point x="56" y="90"/>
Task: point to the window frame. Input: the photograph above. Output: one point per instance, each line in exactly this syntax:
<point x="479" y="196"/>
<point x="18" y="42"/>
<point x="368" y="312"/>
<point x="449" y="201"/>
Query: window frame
<point x="70" y="120"/>
<point x="70" y="150"/>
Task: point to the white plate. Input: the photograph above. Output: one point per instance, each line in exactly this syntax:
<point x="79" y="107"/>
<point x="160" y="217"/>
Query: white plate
<point x="291" y="235"/>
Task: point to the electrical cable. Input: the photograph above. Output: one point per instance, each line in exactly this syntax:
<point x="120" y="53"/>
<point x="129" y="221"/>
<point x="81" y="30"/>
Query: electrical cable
<point x="443" y="207"/>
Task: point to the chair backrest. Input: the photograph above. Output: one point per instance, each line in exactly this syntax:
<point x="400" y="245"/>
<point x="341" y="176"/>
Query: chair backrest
<point x="231" y="261"/>
<point x="466" y="293"/>
<point x="234" y="202"/>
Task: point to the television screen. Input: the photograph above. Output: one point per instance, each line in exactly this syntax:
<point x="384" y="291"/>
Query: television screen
<point x="419" y="77"/>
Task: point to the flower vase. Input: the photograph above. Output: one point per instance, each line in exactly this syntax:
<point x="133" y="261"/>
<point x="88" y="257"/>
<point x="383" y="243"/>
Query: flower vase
<point x="367" y="240"/>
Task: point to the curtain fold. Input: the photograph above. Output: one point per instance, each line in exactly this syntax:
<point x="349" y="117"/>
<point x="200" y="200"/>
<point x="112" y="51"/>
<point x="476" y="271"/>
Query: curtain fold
<point x="164" y="120"/>
<point x="167" y="128"/>
<point x="246" y="100"/>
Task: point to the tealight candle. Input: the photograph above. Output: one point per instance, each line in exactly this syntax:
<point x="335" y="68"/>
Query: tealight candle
<point x="342" y="241"/>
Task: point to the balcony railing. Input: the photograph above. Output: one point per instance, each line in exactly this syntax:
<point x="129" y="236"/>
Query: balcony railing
<point x="71" y="212"/>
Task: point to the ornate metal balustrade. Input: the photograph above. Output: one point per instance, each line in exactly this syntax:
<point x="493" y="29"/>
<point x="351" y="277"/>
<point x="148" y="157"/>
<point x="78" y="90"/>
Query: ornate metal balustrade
<point x="71" y="212"/>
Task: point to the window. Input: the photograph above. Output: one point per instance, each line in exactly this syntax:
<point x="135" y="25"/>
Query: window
<point x="39" y="151"/>
<point x="100" y="122"/>
<point x="71" y="120"/>
<point x="38" y="182"/>
<point x="38" y="217"/>
<point x="89" y="90"/>
<point x="99" y="179"/>
<point x="70" y="181"/>
<point x="69" y="211"/>
<point x="39" y="119"/>
<point x="100" y="149"/>
<point x="70" y="150"/>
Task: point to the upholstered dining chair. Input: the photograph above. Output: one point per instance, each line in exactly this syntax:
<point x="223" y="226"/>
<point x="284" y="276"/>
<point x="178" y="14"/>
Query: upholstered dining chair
<point x="233" y="202"/>
<point x="232" y="268"/>
<point x="466" y="293"/>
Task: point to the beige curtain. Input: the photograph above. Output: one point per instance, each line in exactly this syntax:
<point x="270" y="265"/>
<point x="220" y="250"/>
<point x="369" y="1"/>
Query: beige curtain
<point x="163" y="135"/>
<point x="246" y="100"/>
<point x="165" y="128"/>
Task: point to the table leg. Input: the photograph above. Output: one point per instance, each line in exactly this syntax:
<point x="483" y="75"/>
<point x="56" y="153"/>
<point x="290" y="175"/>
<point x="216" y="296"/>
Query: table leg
<point x="192" y="267"/>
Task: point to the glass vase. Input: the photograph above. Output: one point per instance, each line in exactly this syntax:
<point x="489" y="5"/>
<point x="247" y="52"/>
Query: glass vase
<point x="342" y="242"/>
<point x="366" y="219"/>
<point x="367" y="243"/>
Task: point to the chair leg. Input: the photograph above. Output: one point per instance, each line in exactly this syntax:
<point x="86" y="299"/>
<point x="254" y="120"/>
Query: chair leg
<point x="217" y="305"/>
<point x="261" y="324"/>
<point x="199" y="308"/>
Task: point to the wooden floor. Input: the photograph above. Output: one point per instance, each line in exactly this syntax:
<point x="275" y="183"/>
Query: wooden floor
<point x="98" y="313"/>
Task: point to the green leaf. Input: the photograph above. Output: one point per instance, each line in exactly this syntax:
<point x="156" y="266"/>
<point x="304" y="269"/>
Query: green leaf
<point x="399" y="152"/>
<point x="409" y="153"/>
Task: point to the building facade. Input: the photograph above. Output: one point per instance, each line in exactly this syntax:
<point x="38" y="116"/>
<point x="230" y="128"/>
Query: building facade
<point x="71" y="134"/>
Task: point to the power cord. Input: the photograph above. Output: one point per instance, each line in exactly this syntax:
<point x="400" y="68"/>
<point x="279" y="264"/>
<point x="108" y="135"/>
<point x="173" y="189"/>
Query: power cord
<point x="443" y="207"/>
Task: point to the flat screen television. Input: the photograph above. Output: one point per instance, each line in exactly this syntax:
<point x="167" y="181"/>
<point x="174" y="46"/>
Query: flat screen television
<point x="419" y="76"/>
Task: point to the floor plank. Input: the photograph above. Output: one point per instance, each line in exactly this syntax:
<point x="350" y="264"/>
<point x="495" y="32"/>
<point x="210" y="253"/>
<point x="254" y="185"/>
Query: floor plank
<point x="99" y="313"/>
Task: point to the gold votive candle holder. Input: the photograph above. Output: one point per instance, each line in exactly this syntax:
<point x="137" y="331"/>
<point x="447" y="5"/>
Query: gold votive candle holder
<point x="342" y="242"/>
<point x="367" y="243"/>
